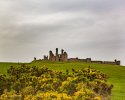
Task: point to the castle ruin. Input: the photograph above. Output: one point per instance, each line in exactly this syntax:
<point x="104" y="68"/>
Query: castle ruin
<point x="58" y="57"/>
<point x="63" y="57"/>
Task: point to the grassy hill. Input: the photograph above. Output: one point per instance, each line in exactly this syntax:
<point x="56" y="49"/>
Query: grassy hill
<point x="116" y="73"/>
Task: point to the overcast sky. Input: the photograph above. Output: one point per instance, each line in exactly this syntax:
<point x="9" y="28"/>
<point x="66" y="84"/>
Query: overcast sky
<point x="84" y="28"/>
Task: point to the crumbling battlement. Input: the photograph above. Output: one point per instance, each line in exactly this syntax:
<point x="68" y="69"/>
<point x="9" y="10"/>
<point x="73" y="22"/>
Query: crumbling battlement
<point x="58" y="57"/>
<point x="63" y="57"/>
<point x="115" y="62"/>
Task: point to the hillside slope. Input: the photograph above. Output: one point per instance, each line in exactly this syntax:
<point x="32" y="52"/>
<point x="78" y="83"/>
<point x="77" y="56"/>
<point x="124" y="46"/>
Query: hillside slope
<point x="115" y="72"/>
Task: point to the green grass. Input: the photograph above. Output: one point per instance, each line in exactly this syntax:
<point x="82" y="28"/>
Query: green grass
<point x="116" y="73"/>
<point x="5" y="65"/>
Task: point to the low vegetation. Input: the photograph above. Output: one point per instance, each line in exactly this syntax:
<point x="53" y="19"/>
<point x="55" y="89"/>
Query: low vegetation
<point x="115" y="74"/>
<point x="40" y="83"/>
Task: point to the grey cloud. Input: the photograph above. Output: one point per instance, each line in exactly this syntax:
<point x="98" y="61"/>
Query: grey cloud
<point x="91" y="28"/>
<point x="32" y="6"/>
<point x="95" y="6"/>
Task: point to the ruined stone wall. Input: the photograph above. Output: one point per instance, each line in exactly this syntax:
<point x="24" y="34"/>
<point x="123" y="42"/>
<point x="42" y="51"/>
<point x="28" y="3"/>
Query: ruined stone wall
<point x="45" y="57"/>
<point x="118" y="62"/>
<point x="82" y="60"/>
<point x="99" y="62"/>
<point x="63" y="57"/>
<point x="72" y="59"/>
<point x="58" y="57"/>
<point x="51" y="56"/>
<point x="109" y="62"/>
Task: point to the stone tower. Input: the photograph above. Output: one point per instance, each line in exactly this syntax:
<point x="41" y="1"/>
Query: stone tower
<point x="45" y="57"/>
<point x="51" y="56"/>
<point x="58" y="57"/>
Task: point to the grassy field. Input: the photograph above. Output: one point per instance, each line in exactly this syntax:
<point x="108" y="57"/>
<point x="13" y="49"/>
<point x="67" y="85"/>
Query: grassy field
<point x="116" y="73"/>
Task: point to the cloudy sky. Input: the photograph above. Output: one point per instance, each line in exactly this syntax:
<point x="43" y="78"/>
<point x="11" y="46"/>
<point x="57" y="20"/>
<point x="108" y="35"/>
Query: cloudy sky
<point x="84" y="28"/>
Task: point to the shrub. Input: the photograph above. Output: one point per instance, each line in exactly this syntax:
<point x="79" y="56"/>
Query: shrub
<point x="37" y="83"/>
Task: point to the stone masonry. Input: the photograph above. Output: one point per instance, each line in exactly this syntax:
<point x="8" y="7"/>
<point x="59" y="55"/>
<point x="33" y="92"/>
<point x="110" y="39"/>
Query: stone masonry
<point x="58" y="57"/>
<point x="63" y="57"/>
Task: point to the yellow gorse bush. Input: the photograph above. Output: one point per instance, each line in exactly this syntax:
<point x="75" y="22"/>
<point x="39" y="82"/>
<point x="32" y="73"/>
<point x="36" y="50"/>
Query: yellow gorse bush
<point x="35" y="83"/>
